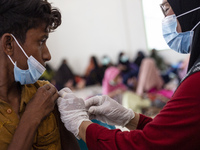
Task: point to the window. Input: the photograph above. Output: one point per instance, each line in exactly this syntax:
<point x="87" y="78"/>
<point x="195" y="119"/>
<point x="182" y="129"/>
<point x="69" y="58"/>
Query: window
<point x="153" y="24"/>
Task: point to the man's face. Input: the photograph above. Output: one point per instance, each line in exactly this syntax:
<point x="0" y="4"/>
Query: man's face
<point x="35" y="45"/>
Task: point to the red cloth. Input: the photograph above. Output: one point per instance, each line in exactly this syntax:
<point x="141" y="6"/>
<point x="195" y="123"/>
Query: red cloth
<point x="177" y="126"/>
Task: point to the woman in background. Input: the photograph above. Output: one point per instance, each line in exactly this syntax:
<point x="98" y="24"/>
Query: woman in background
<point x="92" y="72"/>
<point x="112" y="84"/>
<point x="149" y="77"/>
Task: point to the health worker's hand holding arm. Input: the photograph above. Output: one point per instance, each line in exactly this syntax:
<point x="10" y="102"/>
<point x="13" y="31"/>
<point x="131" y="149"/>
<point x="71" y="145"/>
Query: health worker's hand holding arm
<point x="73" y="112"/>
<point x="107" y="110"/>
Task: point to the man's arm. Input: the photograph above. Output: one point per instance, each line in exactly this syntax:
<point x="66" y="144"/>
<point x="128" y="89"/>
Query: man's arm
<point x="68" y="140"/>
<point x="37" y="109"/>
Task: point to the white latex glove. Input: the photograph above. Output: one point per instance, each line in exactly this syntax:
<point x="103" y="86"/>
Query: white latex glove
<point x="107" y="110"/>
<point x="72" y="110"/>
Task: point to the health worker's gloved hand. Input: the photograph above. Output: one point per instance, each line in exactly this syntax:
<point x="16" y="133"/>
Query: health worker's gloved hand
<point x="107" y="110"/>
<point x="72" y="110"/>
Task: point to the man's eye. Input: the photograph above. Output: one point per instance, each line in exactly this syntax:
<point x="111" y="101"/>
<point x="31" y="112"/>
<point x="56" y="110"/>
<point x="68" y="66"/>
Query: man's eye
<point x="42" y="41"/>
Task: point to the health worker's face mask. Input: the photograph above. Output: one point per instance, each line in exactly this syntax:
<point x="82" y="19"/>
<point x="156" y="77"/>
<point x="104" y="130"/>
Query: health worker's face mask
<point x="180" y="42"/>
<point x="32" y="74"/>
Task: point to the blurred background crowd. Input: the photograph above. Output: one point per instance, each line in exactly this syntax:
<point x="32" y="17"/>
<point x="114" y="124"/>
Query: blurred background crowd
<point x="144" y="83"/>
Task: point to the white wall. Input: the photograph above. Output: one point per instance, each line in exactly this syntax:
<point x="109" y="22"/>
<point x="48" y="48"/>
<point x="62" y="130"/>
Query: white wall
<point x="97" y="27"/>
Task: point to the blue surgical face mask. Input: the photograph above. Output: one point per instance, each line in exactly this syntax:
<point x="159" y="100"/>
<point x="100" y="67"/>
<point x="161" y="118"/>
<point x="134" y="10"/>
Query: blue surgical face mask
<point x="124" y="58"/>
<point x="105" y="61"/>
<point x="32" y="74"/>
<point x="180" y="42"/>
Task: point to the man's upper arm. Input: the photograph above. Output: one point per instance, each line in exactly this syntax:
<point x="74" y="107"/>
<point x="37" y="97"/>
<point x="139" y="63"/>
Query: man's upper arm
<point x="68" y="140"/>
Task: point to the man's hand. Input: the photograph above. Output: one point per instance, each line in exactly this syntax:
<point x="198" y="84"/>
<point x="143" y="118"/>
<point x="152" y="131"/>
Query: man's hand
<point x="42" y="103"/>
<point x="37" y="109"/>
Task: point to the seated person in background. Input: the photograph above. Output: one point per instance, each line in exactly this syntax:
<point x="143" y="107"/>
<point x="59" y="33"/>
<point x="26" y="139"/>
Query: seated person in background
<point x="139" y="58"/>
<point x="48" y="74"/>
<point x="160" y="63"/>
<point x="28" y="116"/>
<point x="119" y="57"/>
<point x="129" y="71"/>
<point x="148" y="77"/>
<point x="177" y="70"/>
<point x="112" y="84"/>
<point x="182" y="70"/>
<point x="105" y="63"/>
<point x="64" y="76"/>
<point x="151" y="84"/>
<point x="92" y="76"/>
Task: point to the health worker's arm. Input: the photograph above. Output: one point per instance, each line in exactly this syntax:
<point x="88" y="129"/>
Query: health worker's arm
<point x="132" y="125"/>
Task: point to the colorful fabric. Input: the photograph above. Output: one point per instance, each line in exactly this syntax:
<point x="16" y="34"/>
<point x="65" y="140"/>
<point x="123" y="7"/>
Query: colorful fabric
<point x="135" y="102"/>
<point x="110" y="74"/>
<point x="149" y="77"/>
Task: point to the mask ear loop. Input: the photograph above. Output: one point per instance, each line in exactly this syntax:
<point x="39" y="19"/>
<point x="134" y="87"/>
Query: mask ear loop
<point x="188" y="12"/>
<point x="11" y="60"/>
<point x="195" y="26"/>
<point x="20" y="46"/>
<point x="191" y="35"/>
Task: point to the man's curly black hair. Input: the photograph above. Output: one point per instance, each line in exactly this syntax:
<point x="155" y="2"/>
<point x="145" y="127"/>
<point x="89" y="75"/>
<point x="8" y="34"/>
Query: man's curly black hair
<point x="18" y="16"/>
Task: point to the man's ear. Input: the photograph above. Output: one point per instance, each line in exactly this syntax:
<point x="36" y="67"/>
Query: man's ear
<point x="8" y="42"/>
